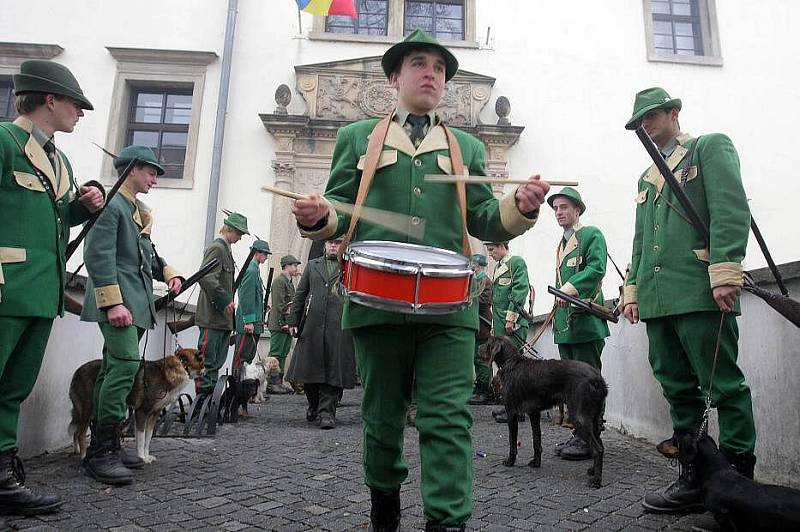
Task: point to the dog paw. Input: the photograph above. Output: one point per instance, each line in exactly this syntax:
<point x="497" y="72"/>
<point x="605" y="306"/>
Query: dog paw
<point x="149" y="459"/>
<point x="535" y="462"/>
<point x="594" y="483"/>
<point x="508" y="462"/>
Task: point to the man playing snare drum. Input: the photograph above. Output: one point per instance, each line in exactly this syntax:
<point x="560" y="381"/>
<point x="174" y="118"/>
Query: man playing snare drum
<point x="397" y="351"/>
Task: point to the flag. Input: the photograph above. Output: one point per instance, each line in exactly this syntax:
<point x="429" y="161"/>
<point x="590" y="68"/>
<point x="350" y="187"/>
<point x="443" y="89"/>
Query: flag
<point x="345" y="8"/>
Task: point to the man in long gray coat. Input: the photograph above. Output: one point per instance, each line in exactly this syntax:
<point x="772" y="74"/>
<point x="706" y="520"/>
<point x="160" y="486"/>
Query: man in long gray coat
<point x="324" y="358"/>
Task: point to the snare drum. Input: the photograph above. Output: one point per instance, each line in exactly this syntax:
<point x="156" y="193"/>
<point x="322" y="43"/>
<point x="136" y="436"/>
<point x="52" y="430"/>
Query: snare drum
<point x="406" y="278"/>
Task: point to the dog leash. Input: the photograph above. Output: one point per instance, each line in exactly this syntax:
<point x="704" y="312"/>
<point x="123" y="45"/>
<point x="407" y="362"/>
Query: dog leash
<point x="704" y="425"/>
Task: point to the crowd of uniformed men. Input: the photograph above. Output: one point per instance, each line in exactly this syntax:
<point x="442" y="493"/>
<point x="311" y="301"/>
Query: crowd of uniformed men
<point x="684" y="291"/>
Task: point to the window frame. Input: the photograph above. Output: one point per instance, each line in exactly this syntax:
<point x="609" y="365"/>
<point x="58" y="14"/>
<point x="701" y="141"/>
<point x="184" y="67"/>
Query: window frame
<point x="395" y="25"/>
<point x="326" y="20"/>
<point x="464" y="19"/>
<point x="167" y="69"/>
<point x="13" y="54"/>
<point x="709" y="35"/>
<point x="5" y="78"/>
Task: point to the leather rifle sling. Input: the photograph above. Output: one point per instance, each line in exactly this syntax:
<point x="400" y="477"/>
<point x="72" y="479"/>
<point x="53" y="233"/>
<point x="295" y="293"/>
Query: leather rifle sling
<point x="374" y="149"/>
<point x="461" y="188"/>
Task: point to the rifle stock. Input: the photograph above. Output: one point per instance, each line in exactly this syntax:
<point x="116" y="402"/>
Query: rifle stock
<point x="589" y="306"/>
<point x="188" y="283"/>
<point x="180" y="325"/>
<point x="72" y="305"/>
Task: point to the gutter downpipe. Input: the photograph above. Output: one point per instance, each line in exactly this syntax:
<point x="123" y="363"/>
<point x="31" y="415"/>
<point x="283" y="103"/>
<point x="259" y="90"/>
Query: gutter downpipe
<point x="219" y="127"/>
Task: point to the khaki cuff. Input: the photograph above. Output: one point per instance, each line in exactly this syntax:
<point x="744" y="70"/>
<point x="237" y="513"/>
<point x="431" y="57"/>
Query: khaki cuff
<point x="169" y="272"/>
<point x="725" y="274"/>
<point x="514" y="221"/>
<point x="331" y="225"/>
<point x="108" y="296"/>
<point x="629" y="294"/>
<point x="2" y="279"/>
<point x="511" y="316"/>
<point x="570" y="290"/>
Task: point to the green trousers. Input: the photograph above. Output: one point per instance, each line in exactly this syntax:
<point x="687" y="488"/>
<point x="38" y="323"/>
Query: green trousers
<point x="213" y="344"/>
<point x="245" y="350"/>
<point x="435" y="361"/>
<point x="121" y="361"/>
<point x="279" y="345"/>
<point x="22" y="345"/>
<point x="483" y="373"/>
<point x="681" y="355"/>
<point x="588" y="352"/>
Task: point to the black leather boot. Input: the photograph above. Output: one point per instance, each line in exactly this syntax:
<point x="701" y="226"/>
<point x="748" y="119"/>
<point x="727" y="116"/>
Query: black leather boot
<point x="15" y="497"/>
<point x="384" y="516"/>
<point x="745" y="463"/>
<point x="434" y="527"/>
<point x="129" y="457"/>
<point x="4" y="526"/>
<point x="682" y="496"/>
<point x="103" y="461"/>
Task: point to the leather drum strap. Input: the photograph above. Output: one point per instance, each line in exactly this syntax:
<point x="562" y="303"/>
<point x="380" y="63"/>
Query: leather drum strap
<point x="461" y="188"/>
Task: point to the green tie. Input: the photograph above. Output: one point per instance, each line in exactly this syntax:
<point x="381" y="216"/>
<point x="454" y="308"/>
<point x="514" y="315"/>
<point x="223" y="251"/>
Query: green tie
<point x="418" y="123"/>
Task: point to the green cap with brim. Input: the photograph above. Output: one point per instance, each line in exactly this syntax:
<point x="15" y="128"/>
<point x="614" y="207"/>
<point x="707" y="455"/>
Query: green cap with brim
<point x="649" y="99"/>
<point x="49" y="77"/>
<point x="418" y="39"/>
<point x="480" y="260"/>
<point x="261" y="246"/>
<point x="287" y="260"/>
<point x="571" y="194"/>
<point x="236" y="221"/>
<point x="142" y="153"/>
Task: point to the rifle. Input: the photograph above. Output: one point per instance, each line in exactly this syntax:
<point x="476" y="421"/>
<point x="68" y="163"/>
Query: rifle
<point x="784" y="305"/>
<point x="526" y="349"/>
<point x="268" y="289"/>
<point x="303" y="317"/>
<point x="72" y="246"/>
<point x="589" y="306"/>
<point x="181" y="325"/>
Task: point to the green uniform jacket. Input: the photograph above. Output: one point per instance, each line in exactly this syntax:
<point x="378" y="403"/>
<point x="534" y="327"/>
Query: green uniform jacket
<point x="281" y="295"/>
<point x="671" y="270"/>
<point x="399" y="186"/>
<point x="216" y="289"/>
<point x="484" y="289"/>
<point x="581" y="266"/>
<point x="510" y="290"/>
<point x="35" y="225"/>
<point x="251" y="300"/>
<point x="121" y="263"/>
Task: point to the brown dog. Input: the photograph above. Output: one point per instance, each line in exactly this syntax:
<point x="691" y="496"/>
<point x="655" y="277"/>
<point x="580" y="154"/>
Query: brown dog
<point x="157" y="384"/>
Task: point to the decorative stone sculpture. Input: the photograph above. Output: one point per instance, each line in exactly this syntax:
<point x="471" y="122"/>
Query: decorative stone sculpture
<point x="283" y="96"/>
<point x="503" y="108"/>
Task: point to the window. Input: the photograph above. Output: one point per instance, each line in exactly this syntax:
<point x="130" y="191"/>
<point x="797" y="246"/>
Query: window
<point x="682" y="31"/>
<point x="157" y="102"/>
<point x="389" y="21"/>
<point x="444" y="19"/>
<point x="159" y="119"/>
<point x="7" y="110"/>
<point x="373" y="16"/>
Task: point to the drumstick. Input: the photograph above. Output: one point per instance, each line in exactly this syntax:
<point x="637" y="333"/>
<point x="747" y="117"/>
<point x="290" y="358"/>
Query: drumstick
<point x="479" y="179"/>
<point x="395" y="221"/>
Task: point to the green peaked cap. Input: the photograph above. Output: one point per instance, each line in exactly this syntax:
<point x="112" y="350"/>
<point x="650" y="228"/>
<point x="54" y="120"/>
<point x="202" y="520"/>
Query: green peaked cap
<point x="572" y="194"/>
<point x="49" y="77"/>
<point x="237" y="221"/>
<point x="649" y="99"/>
<point x="288" y="259"/>
<point x="142" y="153"/>
<point x="418" y="39"/>
<point x="261" y="245"/>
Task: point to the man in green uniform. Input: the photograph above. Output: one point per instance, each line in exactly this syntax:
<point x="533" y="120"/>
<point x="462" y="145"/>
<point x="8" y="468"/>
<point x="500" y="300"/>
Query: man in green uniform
<point x="215" y="306"/>
<point x="580" y="268"/>
<point x="250" y="311"/>
<point x="39" y="201"/>
<point x="510" y="290"/>
<point x="281" y="295"/>
<point x="483" y="373"/>
<point x="122" y="264"/>
<point x="686" y="292"/>
<point x="396" y="352"/>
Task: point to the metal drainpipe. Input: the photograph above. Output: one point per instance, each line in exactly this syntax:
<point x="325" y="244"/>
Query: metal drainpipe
<point x="219" y="128"/>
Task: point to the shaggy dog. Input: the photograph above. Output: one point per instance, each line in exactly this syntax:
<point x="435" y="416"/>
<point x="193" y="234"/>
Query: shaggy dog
<point x="738" y="503"/>
<point x="258" y="370"/>
<point x="530" y="386"/>
<point x="157" y="384"/>
<point x="236" y="397"/>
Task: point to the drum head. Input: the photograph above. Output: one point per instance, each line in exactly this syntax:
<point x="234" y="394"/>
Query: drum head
<point x="400" y="252"/>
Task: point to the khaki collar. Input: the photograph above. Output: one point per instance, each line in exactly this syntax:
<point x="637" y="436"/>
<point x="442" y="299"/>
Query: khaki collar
<point x="142" y="214"/>
<point x="654" y="177"/>
<point x="38" y="158"/>
<point x="401" y="115"/>
<point x="397" y="138"/>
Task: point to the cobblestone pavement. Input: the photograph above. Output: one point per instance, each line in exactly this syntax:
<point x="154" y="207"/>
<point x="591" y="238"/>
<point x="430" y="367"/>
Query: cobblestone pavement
<point x="275" y="471"/>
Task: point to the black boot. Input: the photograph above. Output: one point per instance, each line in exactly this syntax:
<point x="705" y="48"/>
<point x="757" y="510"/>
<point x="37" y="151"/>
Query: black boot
<point x="4" y="526"/>
<point x="578" y="450"/>
<point x="102" y="460"/>
<point x="685" y="495"/>
<point x="482" y="396"/>
<point x="384" y="516"/>
<point x="434" y="527"/>
<point x="744" y="463"/>
<point x="129" y="458"/>
<point x="15" y="497"/>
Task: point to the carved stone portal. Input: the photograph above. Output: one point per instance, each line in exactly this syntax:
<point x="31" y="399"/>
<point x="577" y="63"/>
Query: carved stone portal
<point x="341" y="92"/>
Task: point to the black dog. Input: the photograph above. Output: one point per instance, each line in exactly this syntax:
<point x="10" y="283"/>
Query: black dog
<point x="530" y="386"/>
<point x="738" y="503"/>
<point x="236" y="397"/>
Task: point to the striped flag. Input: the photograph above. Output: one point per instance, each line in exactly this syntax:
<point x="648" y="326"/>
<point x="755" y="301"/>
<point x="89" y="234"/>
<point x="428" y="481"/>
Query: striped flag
<point x="345" y="8"/>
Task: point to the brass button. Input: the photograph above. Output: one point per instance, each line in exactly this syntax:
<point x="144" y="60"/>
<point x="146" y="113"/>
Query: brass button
<point x="657" y="269"/>
<point x="415" y="220"/>
<point x="655" y="248"/>
<point x="656" y="227"/>
<point x="417" y="162"/>
<point x="417" y="191"/>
